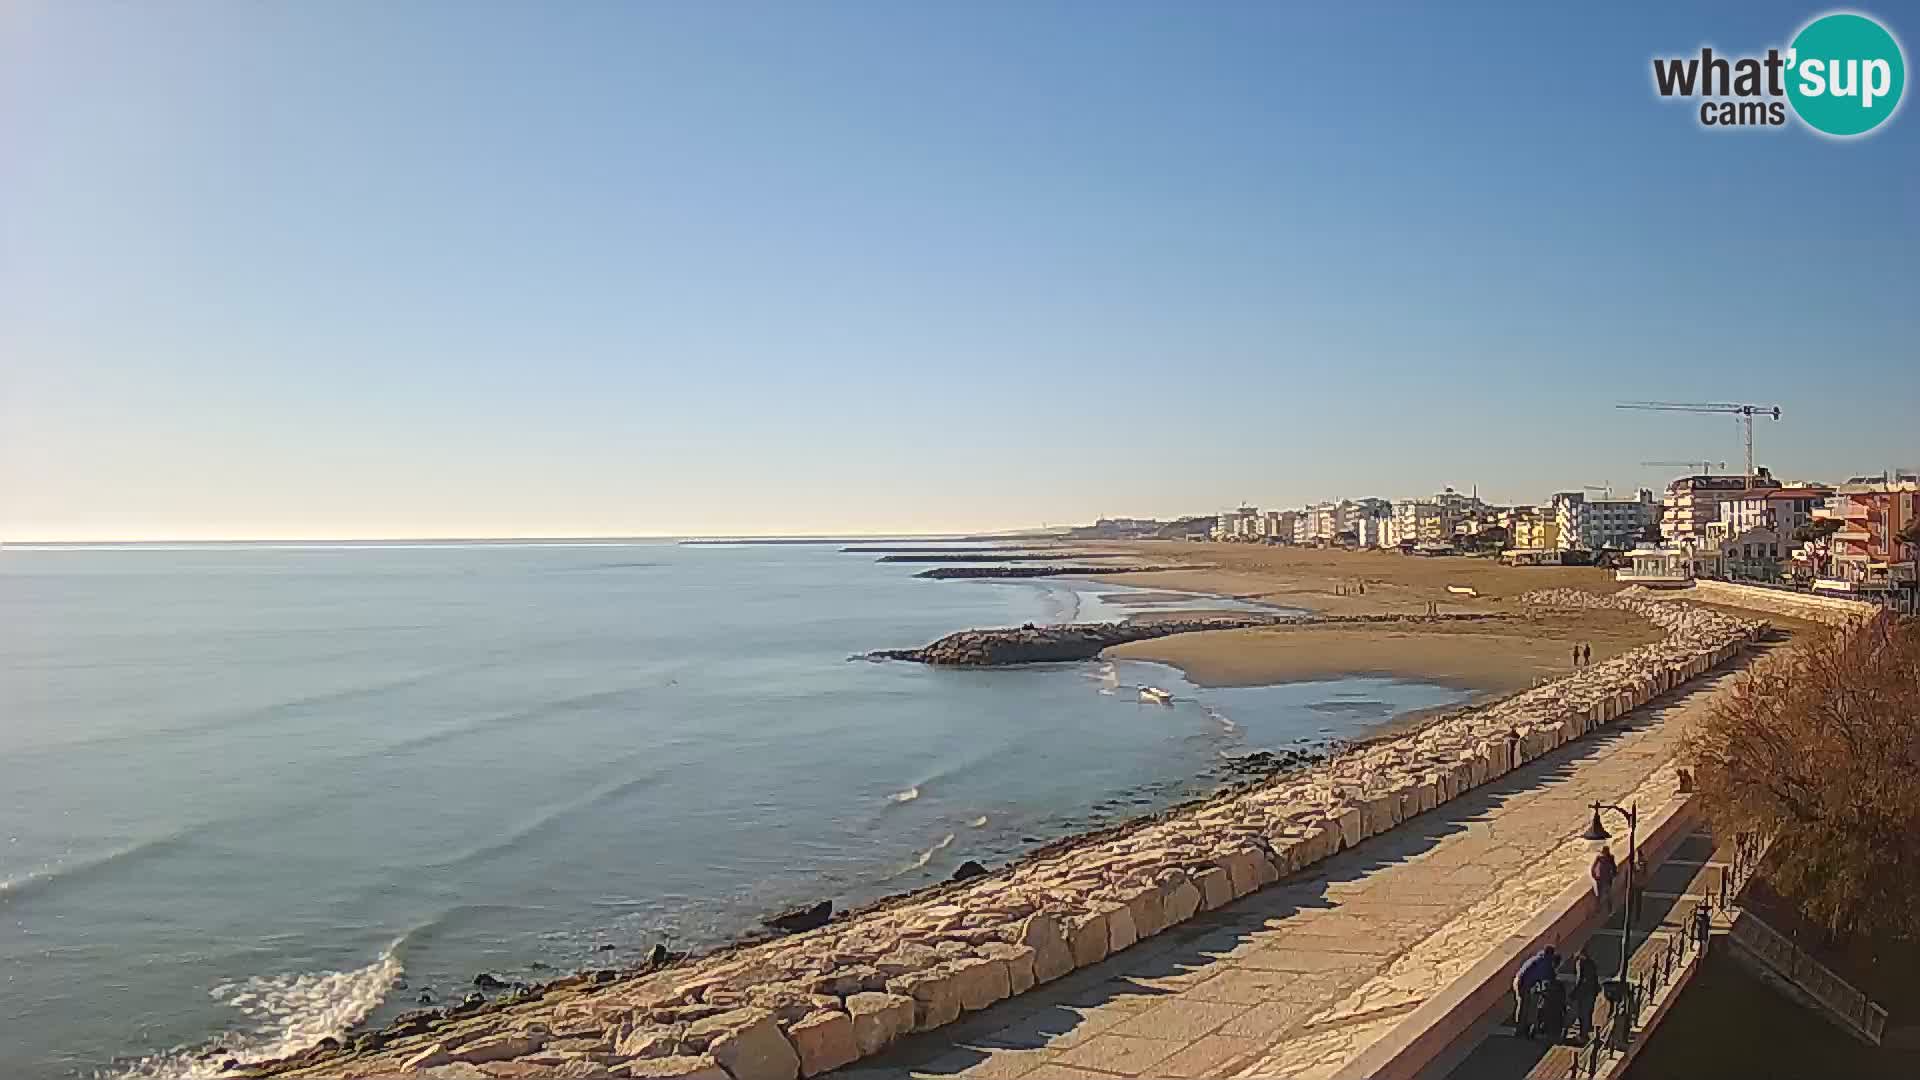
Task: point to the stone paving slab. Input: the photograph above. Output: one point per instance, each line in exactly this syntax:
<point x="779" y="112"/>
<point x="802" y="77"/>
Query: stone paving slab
<point x="1294" y="980"/>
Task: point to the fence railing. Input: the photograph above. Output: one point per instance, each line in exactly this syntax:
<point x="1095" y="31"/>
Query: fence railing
<point x="1836" y="994"/>
<point x="1654" y="968"/>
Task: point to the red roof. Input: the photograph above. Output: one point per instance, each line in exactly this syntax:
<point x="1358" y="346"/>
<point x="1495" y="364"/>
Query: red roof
<point x="1799" y="493"/>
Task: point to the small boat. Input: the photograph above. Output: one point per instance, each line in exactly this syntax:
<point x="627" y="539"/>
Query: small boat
<point x="1153" y="695"/>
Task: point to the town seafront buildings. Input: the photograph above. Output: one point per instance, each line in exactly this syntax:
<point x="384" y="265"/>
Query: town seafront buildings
<point x="1860" y="538"/>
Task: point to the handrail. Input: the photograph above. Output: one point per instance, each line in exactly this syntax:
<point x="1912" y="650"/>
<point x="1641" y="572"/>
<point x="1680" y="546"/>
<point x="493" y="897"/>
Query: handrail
<point x="1838" y="995"/>
<point x="1651" y="969"/>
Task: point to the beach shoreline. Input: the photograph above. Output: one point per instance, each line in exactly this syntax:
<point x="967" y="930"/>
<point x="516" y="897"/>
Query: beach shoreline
<point x="1515" y="649"/>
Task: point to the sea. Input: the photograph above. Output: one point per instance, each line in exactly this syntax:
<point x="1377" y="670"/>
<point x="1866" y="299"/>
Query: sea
<point x="252" y="795"/>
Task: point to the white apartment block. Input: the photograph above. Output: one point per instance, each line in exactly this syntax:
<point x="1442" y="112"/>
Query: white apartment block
<point x="1785" y="509"/>
<point x="1420" y="521"/>
<point x="1613" y="524"/>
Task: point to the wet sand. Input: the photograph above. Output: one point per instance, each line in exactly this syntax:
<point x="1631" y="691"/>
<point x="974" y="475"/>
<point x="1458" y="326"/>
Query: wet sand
<point x="1491" y="658"/>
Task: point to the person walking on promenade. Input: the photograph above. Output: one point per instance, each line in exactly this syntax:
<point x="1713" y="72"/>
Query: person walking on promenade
<point x="1604" y="871"/>
<point x="1586" y="654"/>
<point x="1542" y="965"/>
<point x="1576" y="656"/>
<point x="1586" y="993"/>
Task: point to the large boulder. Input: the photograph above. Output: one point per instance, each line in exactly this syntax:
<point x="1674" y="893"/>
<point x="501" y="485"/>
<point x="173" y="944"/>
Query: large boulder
<point x="980" y="981"/>
<point x="694" y="1067"/>
<point x="878" y="1019"/>
<point x="1053" y="954"/>
<point x="1019" y="962"/>
<point x="824" y="1041"/>
<point x="936" y="1000"/>
<point x="810" y="917"/>
<point x="748" y="1044"/>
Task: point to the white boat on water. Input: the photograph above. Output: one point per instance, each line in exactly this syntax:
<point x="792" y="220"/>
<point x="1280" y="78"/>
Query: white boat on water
<point x="1153" y="695"/>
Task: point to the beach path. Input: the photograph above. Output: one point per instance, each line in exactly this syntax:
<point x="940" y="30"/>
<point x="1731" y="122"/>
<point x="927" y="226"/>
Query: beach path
<point x="1295" y="980"/>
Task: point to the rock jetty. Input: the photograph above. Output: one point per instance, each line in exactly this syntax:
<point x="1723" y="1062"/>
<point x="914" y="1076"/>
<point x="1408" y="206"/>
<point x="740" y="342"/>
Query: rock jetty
<point x="1041" y="571"/>
<point x="1052" y="644"/>
<point x="1003" y="646"/>
<point x="821" y="999"/>
<point x="998" y="557"/>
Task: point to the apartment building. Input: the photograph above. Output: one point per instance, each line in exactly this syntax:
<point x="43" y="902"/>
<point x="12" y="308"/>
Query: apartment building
<point x="1585" y="523"/>
<point x="1533" y="531"/>
<point x="1420" y="521"/>
<point x="1786" y="508"/>
<point x="1693" y="501"/>
<point x="1875" y="551"/>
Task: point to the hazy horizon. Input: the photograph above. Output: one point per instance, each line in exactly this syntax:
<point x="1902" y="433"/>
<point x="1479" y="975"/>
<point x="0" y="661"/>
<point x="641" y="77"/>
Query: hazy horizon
<point x="445" y="270"/>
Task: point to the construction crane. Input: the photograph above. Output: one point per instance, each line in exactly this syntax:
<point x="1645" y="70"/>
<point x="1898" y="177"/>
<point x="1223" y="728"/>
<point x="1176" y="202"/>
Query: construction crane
<point x="1701" y="466"/>
<point x="1744" y="412"/>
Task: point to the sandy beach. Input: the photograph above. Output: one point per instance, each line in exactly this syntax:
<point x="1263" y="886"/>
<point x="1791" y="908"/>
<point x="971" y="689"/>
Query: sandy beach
<point x="1489" y="657"/>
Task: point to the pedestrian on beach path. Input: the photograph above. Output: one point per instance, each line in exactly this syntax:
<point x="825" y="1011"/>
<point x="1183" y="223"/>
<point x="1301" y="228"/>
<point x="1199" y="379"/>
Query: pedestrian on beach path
<point x="1604" y="870"/>
<point x="1576" y="656"/>
<point x="1586" y="654"/>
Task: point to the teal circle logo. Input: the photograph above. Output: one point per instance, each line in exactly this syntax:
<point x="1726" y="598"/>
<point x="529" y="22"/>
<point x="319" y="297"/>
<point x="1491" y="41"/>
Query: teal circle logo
<point x="1845" y="74"/>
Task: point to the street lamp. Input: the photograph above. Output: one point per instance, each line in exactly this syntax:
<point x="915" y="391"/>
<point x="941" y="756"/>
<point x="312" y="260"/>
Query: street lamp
<point x="1597" y="832"/>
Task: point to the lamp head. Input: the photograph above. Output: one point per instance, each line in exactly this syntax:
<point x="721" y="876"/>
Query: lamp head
<point x="1595" y="831"/>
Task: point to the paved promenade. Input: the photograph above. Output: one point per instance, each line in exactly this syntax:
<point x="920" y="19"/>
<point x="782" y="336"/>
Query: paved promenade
<point x="1691" y="874"/>
<point x="1296" y="979"/>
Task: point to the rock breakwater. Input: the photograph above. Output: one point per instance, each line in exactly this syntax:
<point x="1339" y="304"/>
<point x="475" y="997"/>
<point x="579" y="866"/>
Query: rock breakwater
<point x="1052" y="644"/>
<point x="1002" y="646"/>
<point x="1042" y="571"/>
<point x="824" y="998"/>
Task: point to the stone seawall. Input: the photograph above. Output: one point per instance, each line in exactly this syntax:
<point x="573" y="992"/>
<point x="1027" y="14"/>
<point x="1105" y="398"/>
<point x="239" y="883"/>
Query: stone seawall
<point x="1830" y="610"/>
<point x="822" y="999"/>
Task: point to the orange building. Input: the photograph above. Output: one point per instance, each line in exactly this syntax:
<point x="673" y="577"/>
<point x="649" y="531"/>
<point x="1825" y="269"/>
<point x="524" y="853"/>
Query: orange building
<point x="1874" y="552"/>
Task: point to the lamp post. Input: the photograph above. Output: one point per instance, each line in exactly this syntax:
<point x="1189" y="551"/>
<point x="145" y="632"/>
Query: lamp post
<point x="1597" y="832"/>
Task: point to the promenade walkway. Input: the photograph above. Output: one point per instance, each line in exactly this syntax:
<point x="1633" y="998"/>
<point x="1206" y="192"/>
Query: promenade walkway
<point x="1294" y="980"/>
<point x="1688" y="876"/>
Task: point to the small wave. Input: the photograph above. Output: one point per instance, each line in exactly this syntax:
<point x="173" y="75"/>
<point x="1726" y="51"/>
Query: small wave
<point x="925" y="858"/>
<point x="1226" y="723"/>
<point x="36" y="882"/>
<point x="290" y="1012"/>
<point x="908" y="795"/>
<point x="978" y="823"/>
<point x="546" y="818"/>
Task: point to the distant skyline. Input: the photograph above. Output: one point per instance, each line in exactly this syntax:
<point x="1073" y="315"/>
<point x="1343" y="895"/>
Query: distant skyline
<point x="359" y="270"/>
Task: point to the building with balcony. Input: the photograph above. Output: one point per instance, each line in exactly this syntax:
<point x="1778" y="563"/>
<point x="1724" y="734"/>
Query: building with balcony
<point x="1420" y="521"/>
<point x="1533" y="531"/>
<point x="1873" y="553"/>
<point x="1693" y="501"/>
<point x="1242" y="524"/>
<point x="1277" y="525"/>
<point x="1603" y="524"/>
<point x="1787" y="508"/>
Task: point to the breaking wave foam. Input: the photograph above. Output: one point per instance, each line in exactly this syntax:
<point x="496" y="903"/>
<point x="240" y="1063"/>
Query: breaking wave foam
<point x="288" y="1013"/>
<point x="908" y="795"/>
<point x="925" y="858"/>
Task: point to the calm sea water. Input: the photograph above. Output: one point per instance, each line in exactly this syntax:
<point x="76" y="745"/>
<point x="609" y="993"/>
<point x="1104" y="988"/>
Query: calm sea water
<point x="250" y="795"/>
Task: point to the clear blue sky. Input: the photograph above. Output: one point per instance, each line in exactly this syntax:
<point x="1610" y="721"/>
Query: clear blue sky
<point x="338" y="269"/>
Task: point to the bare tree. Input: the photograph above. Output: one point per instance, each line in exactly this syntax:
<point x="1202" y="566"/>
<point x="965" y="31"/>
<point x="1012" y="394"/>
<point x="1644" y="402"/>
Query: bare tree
<point x="1819" y="747"/>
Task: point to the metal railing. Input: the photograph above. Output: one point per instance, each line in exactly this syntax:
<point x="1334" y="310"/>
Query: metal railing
<point x="1836" y="994"/>
<point x="1655" y="967"/>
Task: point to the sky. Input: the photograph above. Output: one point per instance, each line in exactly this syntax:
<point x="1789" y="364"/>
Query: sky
<point x="511" y="269"/>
